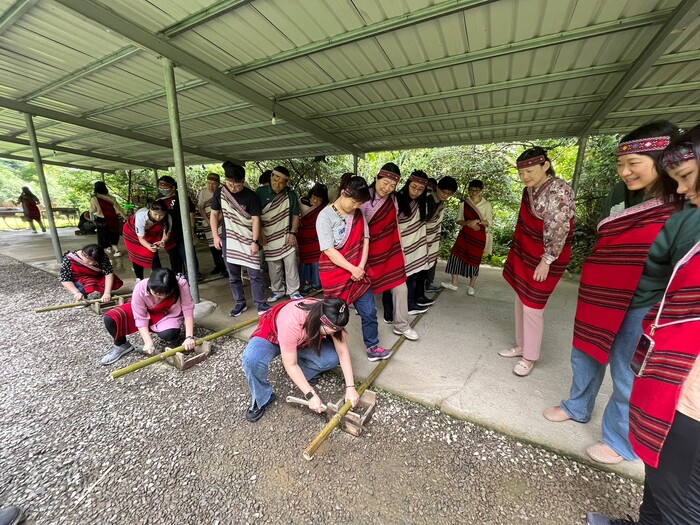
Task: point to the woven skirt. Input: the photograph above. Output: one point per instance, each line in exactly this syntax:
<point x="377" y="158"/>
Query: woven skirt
<point x="456" y="266"/>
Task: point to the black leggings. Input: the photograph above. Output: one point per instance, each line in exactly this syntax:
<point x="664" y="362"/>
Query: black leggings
<point x="138" y="269"/>
<point x="169" y="336"/>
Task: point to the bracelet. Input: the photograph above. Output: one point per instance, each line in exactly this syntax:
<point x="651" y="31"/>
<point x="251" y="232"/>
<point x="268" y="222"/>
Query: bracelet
<point x="349" y="386"/>
<point x="189" y="337"/>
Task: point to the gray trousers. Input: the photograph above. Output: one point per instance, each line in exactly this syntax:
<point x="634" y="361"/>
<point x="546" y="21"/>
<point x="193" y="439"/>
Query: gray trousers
<point x="284" y="272"/>
<point x="395" y="303"/>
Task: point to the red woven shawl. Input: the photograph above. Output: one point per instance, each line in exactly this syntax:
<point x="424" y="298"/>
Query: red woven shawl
<point x="386" y="263"/>
<point x="92" y="278"/>
<point x="307" y="238"/>
<point x="526" y="253"/>
<point x="469" y="246"/>
<point x="124" y="316"/>
<point x="612" y="272"/>
<point x="337" y="281"/>
<point x="137" y="252"/>
<point x="656" y="393"/>
<point x="109" y="214"/>
<point x="267" y="326"/>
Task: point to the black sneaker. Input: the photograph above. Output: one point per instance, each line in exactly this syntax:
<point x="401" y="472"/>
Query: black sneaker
<point x="264" y="308"/>
<point x="239" y="309"/>
<point x="431" y="288"/>
<point x="424" y="301"/>
<point x="418" y="310"/>
<point x="255" y="412"/>
<point x="595" y="518"/>
<point x="215" y="271"/>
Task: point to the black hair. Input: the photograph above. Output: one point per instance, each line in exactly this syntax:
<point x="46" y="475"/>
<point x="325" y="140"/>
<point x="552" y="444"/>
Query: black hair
<point x="432" y="183"/>
<point x="680" y="144"/>
<point x="164" y="281"/>
<point x="26" y="191"/>
<point x="233" y="171"/>
<point x="159" y="205"/>
<point x="169" y="180"/>
<point x="101" y="188"/>
<point x="390" y="166"/>
<point x="355" y="187"/>
<point x="476" y="183"/>
<point x="282" y="170"/>
<point x="448" y="183"/>
<point x="265" y="177"/>
<point x="665" y="186"/>
<point x="536" y="151"/>
<point x="334" y="308"/>
<point x="404" y="198"/>
<point x="95" y="252"/>
<point x="321" y="191"/>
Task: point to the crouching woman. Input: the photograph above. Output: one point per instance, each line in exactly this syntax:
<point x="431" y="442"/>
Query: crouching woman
<point x="299" y="330"/>
<point x="160" y="304"/>
<point x="89" y="270"/>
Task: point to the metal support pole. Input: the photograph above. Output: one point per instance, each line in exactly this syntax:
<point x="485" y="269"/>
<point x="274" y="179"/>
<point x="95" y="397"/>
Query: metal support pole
<point x="183" y="197"/>
<point x="579" y="162"/>
<point x="155" y="174"/>
<point x="128" y="191"/>
<point x="355" y="161"/>
<point x="44" y="188"/>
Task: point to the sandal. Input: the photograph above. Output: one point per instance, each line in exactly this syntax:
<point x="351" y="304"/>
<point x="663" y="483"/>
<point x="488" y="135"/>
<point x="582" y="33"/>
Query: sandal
<point x="602" y="453"/>
<point x="523" y="368"/>
<point x="516" y="351"/>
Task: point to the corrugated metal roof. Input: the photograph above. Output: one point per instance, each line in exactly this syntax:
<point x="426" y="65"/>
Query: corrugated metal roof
<point x="360" y="74"/>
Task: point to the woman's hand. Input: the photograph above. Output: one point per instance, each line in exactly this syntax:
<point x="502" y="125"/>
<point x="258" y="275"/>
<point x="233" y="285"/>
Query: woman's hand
<point x="106" y="297"/>
<point x="473" y="224"/>
<point x="189" y="344"/>
<point x="541" y="271"/>
<point x="357" y="273"/>
<point x="78" y="296"/>
<point x="352" y="396"/>
<point x="149" y="348"/>
<point x="153" y="247"/>
<point x="315" y="404"/>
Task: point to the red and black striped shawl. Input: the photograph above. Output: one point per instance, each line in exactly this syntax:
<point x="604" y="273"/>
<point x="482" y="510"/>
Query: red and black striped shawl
<point x="137" y="252"/>
<point x="307" y="238"/>
<point x="386" y="263"/>
<point x="92" y="278"/>
<point x="469" y="246"/>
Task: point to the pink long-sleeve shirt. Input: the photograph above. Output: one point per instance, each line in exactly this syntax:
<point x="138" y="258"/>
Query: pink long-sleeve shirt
<point x="142" y="301"/>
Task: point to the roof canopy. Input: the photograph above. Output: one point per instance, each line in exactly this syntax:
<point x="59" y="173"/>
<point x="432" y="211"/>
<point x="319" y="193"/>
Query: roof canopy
<point x="340" y="76"/>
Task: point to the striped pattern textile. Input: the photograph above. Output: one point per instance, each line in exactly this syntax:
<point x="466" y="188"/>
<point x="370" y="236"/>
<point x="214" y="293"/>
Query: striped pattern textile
<point x="309" y="249"/>
<point x="414" y="240"/>
<point x="526" y="253"/>
<point x="92" y="279"/>
<point x="238" y="225"/>
<point x="337" y="281"/>
<point x="275" y="222"/>
<point x="138" y="253"/>
<point x="656" y="393"/>
<point x="612" y="272"/>
<point x="433" y="228"/>
<point x="109" y="214"/>
<point x="386" y="265"/>
<point x="123" y="316"/>
<point x="469" y="245"/>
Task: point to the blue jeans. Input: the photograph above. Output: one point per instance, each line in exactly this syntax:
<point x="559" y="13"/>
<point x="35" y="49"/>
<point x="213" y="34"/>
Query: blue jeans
<point x="309" y="273"/>
<point x="367" y="309"/>
<point x="257" y="285"/>
<point x="588" y="375"/>
<point x="260" y="352"/>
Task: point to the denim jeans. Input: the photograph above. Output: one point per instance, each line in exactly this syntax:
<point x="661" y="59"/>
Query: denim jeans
<point x="260" y="352"/>
<point x="588" y="375"/>
<point x="367" y="309"/>
<point x="257" y="285"/>
<point x="309" y="273"/>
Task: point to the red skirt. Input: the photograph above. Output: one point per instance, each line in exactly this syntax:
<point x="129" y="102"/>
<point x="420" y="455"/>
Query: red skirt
<point x="469" y="246"/>
<point x="123" y="316"/>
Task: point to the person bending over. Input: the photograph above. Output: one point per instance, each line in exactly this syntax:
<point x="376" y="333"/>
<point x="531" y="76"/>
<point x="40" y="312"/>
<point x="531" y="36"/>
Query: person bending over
<point x="89" y="270"/>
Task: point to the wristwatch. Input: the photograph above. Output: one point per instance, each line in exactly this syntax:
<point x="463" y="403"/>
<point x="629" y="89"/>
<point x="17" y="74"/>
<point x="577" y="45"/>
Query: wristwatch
<point x="310" y="395"/>
<point x="257" y="242"/>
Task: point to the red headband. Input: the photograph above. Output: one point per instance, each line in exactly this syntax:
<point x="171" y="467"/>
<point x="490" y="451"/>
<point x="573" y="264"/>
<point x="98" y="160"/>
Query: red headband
<point x="684" y="153"/>
<point x="280" y="174"/>
<point x="432" y="186"/>
<point x="643" y="145"/>
<point x="389" y="175"/>
<point x="418" y="180"/>
<point x="327" y="322"/>
<point x="540" y="159"/>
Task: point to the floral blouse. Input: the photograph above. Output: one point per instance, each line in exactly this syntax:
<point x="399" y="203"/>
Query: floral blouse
<point x="553" y="202"/>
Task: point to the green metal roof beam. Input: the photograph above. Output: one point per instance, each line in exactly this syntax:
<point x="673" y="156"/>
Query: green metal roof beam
<point x="128" y="29"/>
<point x="270" y="138"/>
<point x="31" y="109"/>
<point x="240" y="127"/>
<point x="54" y="163"/>
<point x="197" y="114"/>
<point x="652" y="112"/>
<point x="685" y="12"/>
<point x="441" y="9"/>
<point x="285" y="149"/>
<point x="663" y="90"/>
<point x="14" y="13"/>
<point x="82" y="153"/>
<point x="605" y="28"/>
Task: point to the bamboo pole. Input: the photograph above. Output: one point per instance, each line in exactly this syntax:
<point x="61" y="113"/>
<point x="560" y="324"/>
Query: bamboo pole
<point x="164" y="355"/>
<point x="336" y="419"/>
<point x="75" y="305"/>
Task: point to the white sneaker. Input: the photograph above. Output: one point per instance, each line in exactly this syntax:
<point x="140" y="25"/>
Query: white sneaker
<point x="471" y="291"/>
<point x="450" y="286"/>
<point x="409" y="334"/>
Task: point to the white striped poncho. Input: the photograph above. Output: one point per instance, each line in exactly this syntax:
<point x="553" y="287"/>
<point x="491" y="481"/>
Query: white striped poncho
<point x="433" y="229"/>
<point x="275" y="222"/>
<point x="238" y="224"/>
<point x="414" y="240"/>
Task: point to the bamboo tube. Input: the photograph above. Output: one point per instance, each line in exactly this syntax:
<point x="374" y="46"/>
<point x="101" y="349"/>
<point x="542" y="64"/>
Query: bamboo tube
<point x="335" y="421"/>
<point x="162" y="356"/>
<point x="74" y="305"/>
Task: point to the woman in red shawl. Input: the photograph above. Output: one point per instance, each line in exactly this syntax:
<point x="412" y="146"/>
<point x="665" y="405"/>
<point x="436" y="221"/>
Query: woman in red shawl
<point x="108" y="216"/>
<point x="309" y="251"/>
<point x="29" y="202"/>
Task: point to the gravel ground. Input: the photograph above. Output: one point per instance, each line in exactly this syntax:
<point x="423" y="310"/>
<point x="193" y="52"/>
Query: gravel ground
<point x="164" y="447"/>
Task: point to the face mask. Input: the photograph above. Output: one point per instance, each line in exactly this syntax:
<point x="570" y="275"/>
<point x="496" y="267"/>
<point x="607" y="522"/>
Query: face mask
<point x="164" y="192"/>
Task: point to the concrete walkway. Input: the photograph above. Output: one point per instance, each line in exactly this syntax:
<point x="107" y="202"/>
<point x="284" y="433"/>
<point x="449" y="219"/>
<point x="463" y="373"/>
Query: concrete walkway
<point x="454" y="366"/>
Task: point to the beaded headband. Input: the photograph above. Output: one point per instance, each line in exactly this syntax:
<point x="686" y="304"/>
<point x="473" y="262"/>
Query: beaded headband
<point x="418" y="180"/>
<point x="280" y="174"/>
<point x="540" y="159"/>
<point x="679" y="155"/>
<point x="326" y="322"/>
<point x="643" y="145"/>
<point x="389" y="175"/>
